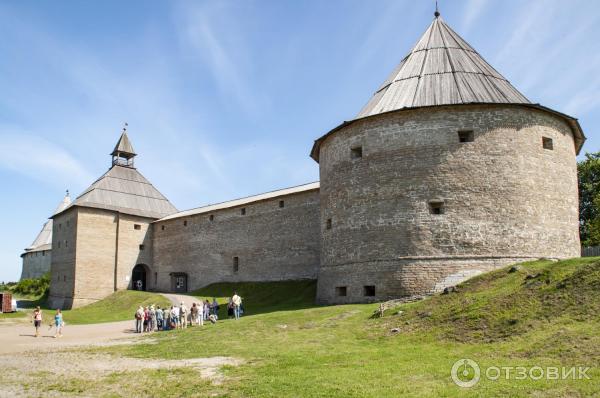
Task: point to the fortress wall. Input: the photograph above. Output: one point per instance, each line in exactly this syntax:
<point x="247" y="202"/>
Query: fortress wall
<point x="271" y="243"/>
<point x="62" y="269"/>
<point x="95" y="256"/>
<point x="505" y="198"/>
<point x="36" y="263"/>
<point x="129" y="251"/>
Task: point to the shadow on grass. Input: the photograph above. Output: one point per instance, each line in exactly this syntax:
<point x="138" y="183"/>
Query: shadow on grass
<point x="262" y="297"/>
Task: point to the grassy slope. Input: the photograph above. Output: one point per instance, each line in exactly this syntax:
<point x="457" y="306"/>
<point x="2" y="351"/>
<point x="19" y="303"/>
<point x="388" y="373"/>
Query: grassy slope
<point x="261" y="297"/>
<point x="339" y="351"/>
<point x="119" y="306"/>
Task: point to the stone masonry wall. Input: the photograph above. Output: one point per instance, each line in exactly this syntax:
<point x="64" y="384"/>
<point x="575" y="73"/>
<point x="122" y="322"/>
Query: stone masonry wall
<point x="271" y="243"/>
<point x="62" y="269"/>
<point x="36" y="263"/>
<point x="85" y="271"/>
<point x="504" y="198"/>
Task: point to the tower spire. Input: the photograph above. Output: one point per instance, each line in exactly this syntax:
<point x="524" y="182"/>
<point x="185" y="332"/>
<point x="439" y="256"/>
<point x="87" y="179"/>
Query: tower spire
<point x="123" y="153"/>
<point x="437" y="12"/>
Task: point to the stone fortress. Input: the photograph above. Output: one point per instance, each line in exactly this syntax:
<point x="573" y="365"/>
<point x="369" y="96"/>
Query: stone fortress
<point x="447" y="172"/>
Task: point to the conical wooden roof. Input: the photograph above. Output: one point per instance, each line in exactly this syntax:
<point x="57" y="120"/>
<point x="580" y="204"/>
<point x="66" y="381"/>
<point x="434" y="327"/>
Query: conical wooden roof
<point x="126" y="190"/>
<point x="441" y="69"/>
<point x="124" y="147"/>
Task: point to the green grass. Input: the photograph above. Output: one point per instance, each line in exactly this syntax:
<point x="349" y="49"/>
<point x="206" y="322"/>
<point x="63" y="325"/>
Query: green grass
<point x="119" y="306"/>
<point x="339" y="351"/>
<point x="261" y="297"/>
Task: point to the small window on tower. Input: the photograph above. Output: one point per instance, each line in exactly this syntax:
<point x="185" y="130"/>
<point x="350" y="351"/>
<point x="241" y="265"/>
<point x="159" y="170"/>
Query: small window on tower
<point x="162" y="227"/>
<point x="466" y="136"/>
<point x="547" y="143"/>
<point x="243" y="211"/>
<point x="356" y="152"/>
<point x="436" y="207"/>
<point x="328" y="223"/>
<point x="59" y="226"/>
<point x="66" y="243"/>
<point x="211" y="217"/>
<point x="236" y="264"/>
<point x="281" y="204"/>
<point x="64" y="278"/>
<point x="341" y="291"/>
<point x="369" y="291"/>
<point x="142" y="247"/>
<point x="185" y="223"/>
<point x="137" y="226"/>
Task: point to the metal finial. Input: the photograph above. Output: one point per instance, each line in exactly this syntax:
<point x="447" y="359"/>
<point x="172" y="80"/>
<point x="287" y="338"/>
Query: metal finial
<point x="67" y="192"/>
<point x="125" y="126"/>
<point x="437" y="12"/>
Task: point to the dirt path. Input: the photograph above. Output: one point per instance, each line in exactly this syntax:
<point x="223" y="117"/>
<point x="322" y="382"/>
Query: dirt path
<point x="176" y="299"/>
<point x="19" y="336"/>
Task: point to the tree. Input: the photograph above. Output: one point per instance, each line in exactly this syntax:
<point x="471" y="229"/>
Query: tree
<point x="588" y="171"/>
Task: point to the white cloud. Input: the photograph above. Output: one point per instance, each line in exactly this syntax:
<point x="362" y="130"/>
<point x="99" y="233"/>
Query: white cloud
<point x="473" y="10"/>
<point x="41" y="160"/>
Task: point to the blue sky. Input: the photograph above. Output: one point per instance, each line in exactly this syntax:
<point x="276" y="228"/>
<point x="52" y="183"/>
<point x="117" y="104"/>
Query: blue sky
<point x="224" y="98"/>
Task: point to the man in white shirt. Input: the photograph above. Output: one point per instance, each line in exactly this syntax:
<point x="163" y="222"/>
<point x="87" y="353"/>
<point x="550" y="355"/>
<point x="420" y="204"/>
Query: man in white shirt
<point x="237" y="302"/>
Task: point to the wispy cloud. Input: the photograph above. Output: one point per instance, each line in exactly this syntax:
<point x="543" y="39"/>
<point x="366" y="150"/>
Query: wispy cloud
<point x="473" y="10"/>
<point x="39" y="159"/>
<point x="210" y="30"/>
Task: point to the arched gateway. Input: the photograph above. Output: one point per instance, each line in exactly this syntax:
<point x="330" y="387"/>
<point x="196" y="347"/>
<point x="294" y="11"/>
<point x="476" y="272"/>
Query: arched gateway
<point x="139" y="277"/>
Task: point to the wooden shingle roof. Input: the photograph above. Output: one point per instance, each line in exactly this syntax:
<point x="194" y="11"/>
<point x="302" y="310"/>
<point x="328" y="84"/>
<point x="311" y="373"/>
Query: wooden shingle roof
<point x="441" y="69"/>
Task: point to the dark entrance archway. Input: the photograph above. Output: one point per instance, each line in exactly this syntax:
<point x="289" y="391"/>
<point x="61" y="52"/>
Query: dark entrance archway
<point x="139" y="277"/>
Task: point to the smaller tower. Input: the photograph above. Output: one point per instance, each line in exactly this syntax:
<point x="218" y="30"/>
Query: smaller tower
<point x="123" y="153"/>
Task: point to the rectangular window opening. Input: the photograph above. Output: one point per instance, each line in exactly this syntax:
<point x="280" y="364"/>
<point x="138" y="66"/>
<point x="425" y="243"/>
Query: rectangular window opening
<point x="547" y="143"/>
<point x="137" y="226"/>
<point x="236" y="264"/>
<point x="356" y="152"/>
<point x="281" y="204"/>
<point x="185" y="223"/>
<point x="328" y="224"/>
<point x="436" y="207"/>
<point x="142" y="247"/>
<point x="369" y="291"/>
<point x="466" y="136"/>
<point x="243" y="211"/>
<point x="211" y="217"/>
<point x="341" y="291"/>
<point x="162" y="227"/>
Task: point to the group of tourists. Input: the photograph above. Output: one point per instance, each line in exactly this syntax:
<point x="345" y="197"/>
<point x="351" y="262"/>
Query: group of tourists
<point x="153" y="318"/>
<point x="58" y="323"/>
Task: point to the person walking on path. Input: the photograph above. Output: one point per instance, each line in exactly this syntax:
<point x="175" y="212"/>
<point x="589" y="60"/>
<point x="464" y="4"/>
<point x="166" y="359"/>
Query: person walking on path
<point x="58" y="323"/>
<point x="37" y="320"/>
<point x="139" y="319"/>
<point x="237" y="302"/>
<point x="146" y="319"/>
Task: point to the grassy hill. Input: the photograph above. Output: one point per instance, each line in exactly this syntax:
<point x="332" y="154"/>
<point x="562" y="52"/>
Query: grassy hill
<point x="498" y="319"/>
<point x="261" y="297"/>
<point x="119" y="306"/>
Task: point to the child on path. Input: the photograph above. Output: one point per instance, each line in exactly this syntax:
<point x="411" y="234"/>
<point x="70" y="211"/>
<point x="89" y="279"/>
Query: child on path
<point x="37" y="320"/>
<point x="58" y="323"/>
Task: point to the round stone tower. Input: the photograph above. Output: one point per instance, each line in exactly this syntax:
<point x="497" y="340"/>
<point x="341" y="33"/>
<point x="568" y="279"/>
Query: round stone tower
<point x="446" y="173"/>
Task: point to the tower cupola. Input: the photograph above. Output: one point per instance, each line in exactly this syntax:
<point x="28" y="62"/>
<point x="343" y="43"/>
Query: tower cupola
<point x="123" y="154"/>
